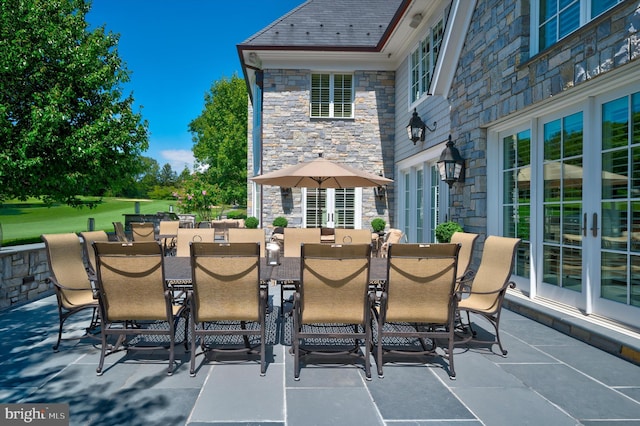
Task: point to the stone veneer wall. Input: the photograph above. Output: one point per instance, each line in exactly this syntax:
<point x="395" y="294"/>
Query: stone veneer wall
<point x="495" y="78"/>
<point x="290" y="137"/>
<point x="23" y="273"/>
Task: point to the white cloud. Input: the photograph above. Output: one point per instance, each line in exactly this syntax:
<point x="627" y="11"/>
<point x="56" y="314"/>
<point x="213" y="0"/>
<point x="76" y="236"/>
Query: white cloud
<point x="177" y="158"/>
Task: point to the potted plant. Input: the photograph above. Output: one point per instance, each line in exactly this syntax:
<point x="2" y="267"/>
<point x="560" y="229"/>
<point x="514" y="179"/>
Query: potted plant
<point x="280" y="221"/>
<point x="378" y="225"/>
<point x="445" y="230"/>
<point x="251" y="222"/>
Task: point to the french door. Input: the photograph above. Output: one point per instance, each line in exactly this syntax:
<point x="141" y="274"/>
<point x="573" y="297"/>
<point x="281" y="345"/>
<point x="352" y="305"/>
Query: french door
<point x="571" y="190"/>
<point x="333" y="208"/>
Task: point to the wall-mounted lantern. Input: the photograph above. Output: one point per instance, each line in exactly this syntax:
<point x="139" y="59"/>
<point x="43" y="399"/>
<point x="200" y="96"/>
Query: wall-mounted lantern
<point x="416" y="128"/>
<point x="451" y="164"/>
<point x="285" y="192"/>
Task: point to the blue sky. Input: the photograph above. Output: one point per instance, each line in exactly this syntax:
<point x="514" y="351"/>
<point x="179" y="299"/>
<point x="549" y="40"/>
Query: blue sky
<point x="175" y="50"/>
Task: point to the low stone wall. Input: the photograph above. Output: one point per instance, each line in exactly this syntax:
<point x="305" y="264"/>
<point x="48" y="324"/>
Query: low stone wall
<point x="23" y="274"/>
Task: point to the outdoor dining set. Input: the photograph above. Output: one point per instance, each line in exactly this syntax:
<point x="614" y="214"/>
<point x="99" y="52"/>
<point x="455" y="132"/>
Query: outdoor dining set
<point x="347" y="306"/>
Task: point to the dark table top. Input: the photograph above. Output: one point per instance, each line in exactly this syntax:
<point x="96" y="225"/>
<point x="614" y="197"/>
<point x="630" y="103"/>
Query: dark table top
<point x="178" y="270"/>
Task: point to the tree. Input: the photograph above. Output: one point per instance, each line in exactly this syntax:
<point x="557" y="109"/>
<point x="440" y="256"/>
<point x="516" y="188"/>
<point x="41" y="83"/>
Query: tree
<point x="220" y="136"/>
<point x="149" y="176"/>
<point x="65" y="128"/>
<point x="167" y="176"/>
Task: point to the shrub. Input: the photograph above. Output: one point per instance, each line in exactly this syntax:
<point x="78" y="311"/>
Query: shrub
<point x="378" y="224"/>
<point x="251" y="222"/>
<point x="280" y="221"/>
<point x="445" y="230"/>
<point x="236" y="214"/>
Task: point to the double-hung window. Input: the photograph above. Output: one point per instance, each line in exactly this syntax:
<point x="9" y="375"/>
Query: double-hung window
<point x="332" y="95"/>
<point x="556" y="19"/>
<point x="423" y="61"/>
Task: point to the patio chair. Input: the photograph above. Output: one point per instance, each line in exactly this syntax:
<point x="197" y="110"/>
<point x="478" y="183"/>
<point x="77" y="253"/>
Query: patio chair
<point x="69" y="277"/>
<point x="465" y="256"/>
<point x="418" y="302"/>
<point x="333" y="304"/>
<point x="188" y="235"/>
<point x="394" y="236"/>
<point x="143" y="231"/>
<point x="490" y="285"/>
<point x="88" y="238"/>
<point x="119" y="230"/>
<point x="352" y="236"/>
<point x="168" y="232"/>
<point x="226" y="296"/>
<point x="134" y="298"/>
<point x="248" y="235"/>
<point x="293" y="238"/>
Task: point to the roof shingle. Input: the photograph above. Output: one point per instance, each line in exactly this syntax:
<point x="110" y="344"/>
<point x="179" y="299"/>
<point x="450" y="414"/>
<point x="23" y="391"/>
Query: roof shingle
<point x="329" y="23"/>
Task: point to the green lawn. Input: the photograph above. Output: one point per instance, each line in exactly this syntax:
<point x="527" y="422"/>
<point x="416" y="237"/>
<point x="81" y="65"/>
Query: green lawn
<point x="24" y="222"/>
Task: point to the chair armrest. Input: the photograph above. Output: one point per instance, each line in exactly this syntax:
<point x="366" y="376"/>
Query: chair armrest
<point x="509" y="284"/>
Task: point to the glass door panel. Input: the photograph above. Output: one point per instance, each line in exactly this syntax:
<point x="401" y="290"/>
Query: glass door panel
<point x="516" y="196"/>
<point x="620" y="204"/>
<point x="562" y="202"/>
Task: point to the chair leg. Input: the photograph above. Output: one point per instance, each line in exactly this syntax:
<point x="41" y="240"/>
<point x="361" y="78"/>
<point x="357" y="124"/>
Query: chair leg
<point x="103" y="350"/>
<point x="379" y="352"/>
<point x="194" y="338"/>
<point x="62" y="319"/>
<point x="367" y="350"/>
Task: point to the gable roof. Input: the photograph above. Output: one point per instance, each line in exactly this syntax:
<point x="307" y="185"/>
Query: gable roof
<point x="333" y="24"/>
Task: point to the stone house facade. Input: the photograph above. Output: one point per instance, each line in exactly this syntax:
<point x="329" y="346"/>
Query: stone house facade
<point x="543" y="105"/>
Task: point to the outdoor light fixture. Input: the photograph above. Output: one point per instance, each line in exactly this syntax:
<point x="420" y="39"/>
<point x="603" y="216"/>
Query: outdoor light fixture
<point x="286" y="192"/>
<point x="451" y="164"/>
<point x="416" y="128"/>
<point x="415" y="20"/>
<point x="380" y="191"/>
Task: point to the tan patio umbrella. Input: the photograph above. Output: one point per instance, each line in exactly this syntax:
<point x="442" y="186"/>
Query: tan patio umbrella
<point x="321" y="173"/>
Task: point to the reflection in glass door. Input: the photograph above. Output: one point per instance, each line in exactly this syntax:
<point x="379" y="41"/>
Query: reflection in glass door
<point x="620" y="204"/>
<point x="562" y="202"/>
<point x="516" y="196"/>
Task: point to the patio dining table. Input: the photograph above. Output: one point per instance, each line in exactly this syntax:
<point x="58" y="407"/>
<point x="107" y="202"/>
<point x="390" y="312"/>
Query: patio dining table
<point x="178" y="271"/>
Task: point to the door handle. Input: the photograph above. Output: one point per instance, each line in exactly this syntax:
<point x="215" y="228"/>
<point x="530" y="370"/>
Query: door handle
<point x="594" y="225"/>
<point x="584" y="225"/>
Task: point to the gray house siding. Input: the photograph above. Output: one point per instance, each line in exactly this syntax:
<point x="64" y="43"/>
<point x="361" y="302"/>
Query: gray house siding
<point x="290" y="136"/>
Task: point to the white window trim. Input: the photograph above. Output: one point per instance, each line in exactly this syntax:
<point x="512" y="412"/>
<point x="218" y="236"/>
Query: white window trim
<point x="332" y="75"/>
<point x="585" y="13"/>
<point x="424" y="91"/>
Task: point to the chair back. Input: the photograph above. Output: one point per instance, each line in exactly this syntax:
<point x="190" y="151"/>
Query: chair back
<point x="88" y="238"/>
<point x="169" y="227"/>
<point x="143" y="231"/>
<point x="465" y="256"/>
<point x="119" y="230"/>
<point x="248" y="235"/>
<point x="352" y="236"/>
<point x="334" y="283"/>
<point x="394" y="236"/>
<point x="421" y="283"/>
<point x="226" y="281"/>
<point x="293" y="237"/>
<point x="64" y="255"/>
<point x="188" y="235"/>
<point x="131" y="283"/>
<point x="494" y="272"/>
